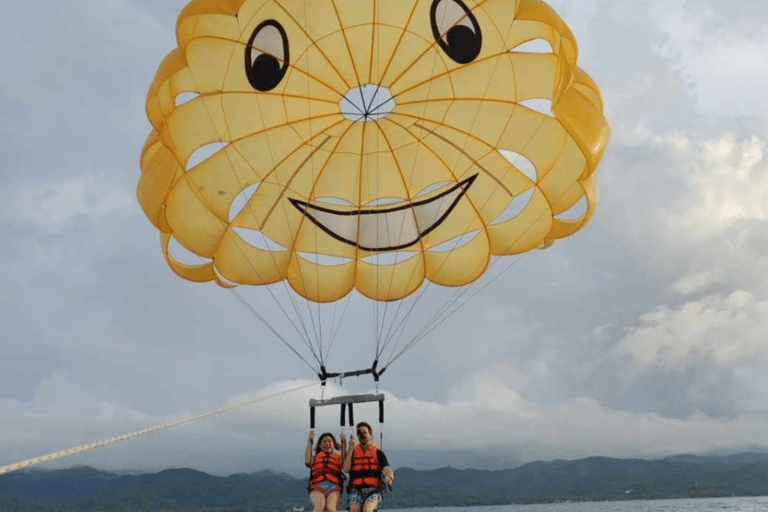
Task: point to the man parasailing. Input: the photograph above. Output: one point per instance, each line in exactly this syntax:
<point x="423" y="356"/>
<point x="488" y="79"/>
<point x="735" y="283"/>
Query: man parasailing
<point x="368" y="470"/>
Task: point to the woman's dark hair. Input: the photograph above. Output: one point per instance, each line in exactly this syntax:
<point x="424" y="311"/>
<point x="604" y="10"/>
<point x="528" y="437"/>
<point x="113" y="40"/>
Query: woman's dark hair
<point x="320" y="441"/>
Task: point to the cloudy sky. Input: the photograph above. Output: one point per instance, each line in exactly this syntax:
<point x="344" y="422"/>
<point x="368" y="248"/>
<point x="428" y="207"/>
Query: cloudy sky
<point x="644" y="335"/>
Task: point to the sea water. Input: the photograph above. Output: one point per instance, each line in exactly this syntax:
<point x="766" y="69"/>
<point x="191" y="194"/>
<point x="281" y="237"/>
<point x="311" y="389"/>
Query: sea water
<point x="759" y="504"/>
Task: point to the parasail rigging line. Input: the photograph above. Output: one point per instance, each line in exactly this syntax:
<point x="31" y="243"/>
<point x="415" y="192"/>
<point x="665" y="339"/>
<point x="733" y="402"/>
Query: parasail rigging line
<point x="391" y="327"/>
<point x="394" y="334"/>
<point x="338" y="325"/>
<point x="319" y="331"/>
<point x="211" y="118"/>
<point x="306" y="338"/>
<point x="274" y="331"/>
<point x="307" y="302"/>
<point x="379" y="346"/>
<point x="90" y="446"/>
<point x="312" y="164"/>
<point x="439" y="317"/>
<point x="379" y="82"/>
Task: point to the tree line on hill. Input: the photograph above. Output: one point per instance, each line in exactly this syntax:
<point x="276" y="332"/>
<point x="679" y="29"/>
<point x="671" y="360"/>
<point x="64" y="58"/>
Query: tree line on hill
<point x="590" y="479"/>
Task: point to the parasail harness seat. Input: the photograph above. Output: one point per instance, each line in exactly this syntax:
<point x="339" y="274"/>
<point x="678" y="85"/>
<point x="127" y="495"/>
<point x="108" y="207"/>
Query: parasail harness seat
<point x="347" y="402"/>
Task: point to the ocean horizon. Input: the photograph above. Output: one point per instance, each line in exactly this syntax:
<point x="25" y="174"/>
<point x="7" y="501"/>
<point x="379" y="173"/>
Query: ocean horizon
<point x="734" y="504"/>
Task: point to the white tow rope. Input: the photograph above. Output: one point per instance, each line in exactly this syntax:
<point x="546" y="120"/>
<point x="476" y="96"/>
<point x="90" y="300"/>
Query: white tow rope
<point x="85" y="447"/>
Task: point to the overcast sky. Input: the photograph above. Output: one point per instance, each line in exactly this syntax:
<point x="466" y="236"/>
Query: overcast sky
<point x="644" y="335"/>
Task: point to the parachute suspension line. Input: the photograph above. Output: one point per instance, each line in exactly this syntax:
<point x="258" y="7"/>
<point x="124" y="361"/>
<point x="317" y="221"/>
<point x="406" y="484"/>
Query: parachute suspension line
<point x="337" y="324"/>
<point x="456" y="294"/>
<point x="292" y="299"/>
<point x="317" y="263"/>
<point x="381" y="347"/>
<point x="90" y="446"/>
<point x="317" y="327"/>
<point x="402" y="324"/>
<point x="314" y="326"/>
<point x="319" y="331"/>
<point x="379" y="81"/>
<point x="385" y="324"/>
<point x="367" y="104"/>
<point x="462" y="304"/>
<point x="400" y="329"/>
<point x="439" y="317"/>
<point x="305" y="338"/>
<point x="274" y="331"/>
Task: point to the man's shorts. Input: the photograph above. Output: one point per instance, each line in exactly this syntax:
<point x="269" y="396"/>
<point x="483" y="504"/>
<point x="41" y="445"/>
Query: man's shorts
<point x="361" y="495"/>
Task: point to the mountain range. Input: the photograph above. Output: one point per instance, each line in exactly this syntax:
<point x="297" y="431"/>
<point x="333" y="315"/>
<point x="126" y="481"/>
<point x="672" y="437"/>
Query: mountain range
<point x="590" y="479"/>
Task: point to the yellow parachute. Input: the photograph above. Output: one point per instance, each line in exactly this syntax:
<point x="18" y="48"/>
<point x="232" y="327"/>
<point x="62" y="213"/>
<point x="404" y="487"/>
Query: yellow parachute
<point x="368" y="145"/>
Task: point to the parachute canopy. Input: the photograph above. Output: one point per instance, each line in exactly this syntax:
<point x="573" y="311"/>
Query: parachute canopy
<point x="369" y="145"/>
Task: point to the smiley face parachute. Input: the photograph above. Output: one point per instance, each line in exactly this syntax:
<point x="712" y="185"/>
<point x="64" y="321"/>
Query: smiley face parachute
<point x="331" y="148"/>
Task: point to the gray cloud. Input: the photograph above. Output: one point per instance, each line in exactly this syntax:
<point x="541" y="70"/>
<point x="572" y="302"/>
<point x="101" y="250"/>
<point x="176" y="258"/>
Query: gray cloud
<point x="595" y="346"/>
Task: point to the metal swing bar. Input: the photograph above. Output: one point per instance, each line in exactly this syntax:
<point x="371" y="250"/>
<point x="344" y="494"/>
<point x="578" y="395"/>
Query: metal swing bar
<point x="324" y="375"/>
<point x="349" y="400"/>
<point x="344" y="401"/>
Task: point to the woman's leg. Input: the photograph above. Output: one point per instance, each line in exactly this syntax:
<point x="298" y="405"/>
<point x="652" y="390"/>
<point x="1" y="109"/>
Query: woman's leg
<point x="318" y="501"/>
<point x="332" y="501"/>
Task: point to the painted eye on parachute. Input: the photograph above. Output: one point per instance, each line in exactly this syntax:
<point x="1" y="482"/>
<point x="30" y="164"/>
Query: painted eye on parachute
<point x="266" y="56"/>
<point x="456" y="30"/>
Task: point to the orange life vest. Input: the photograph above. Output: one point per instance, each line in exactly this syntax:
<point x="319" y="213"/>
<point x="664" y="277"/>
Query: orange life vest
<point x="326" y="467"/>
<point x="365" y="470"/>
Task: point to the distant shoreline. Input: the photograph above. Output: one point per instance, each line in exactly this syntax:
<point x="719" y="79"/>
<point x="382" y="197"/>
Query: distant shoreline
<point x="597" y="479"/>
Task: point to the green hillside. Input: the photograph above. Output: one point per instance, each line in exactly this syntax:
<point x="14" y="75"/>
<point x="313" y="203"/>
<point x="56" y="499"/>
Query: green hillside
<point x="590" y="479"/>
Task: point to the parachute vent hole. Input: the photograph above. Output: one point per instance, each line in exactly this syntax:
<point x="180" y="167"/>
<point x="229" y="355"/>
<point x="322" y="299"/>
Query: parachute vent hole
<point x="534" y="46"/>
<point x="259" y="240"/>
<point x="521" y="163"/>
<point x="183" y="255"/>
<point x="203" y="153"/>
<point x="575" y="212"/>
<point x="185" y="97"/>
<point x="367" y="103"/>
<point x="241" y="200"/>
<point x="515" y="207"/>
<point x="389" y="258"/>
<point x="324" y="259"/>
<point x="456" y="243"/>
<point x="541" y="105"/>
<point x="433" y="188"/>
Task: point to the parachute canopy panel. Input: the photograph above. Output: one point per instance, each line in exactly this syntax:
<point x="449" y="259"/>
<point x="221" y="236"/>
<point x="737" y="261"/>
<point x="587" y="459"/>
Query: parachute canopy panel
<point x="360" y="144"/>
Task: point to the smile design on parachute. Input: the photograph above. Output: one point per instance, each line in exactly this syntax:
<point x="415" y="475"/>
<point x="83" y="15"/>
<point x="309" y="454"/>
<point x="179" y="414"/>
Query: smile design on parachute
<point x="390" y="228"/>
